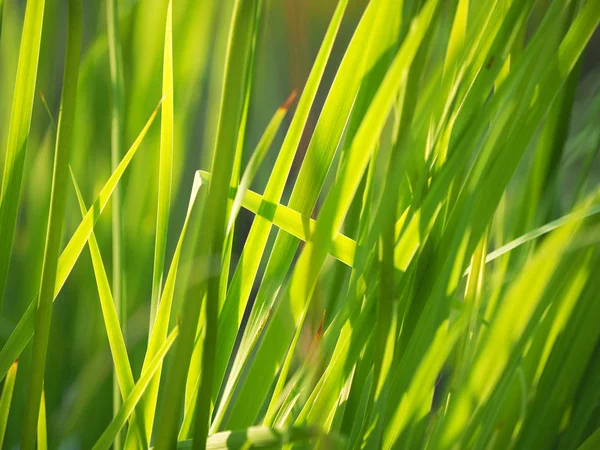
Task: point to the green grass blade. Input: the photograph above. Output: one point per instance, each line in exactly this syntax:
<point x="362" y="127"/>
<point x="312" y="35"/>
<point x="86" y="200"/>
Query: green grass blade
<point x="592" y="442"/>
<point x="55" y="224"/>
<point x="165" y="167"/>
<point x="116" y="149"/>
<point x="160" y="329"/>
<point x="257" y="158"/>
<point x="5" y="400"/>
<point x="210" y="248"/>
<point x="128" y="406"/>
<point x="20" y="122"/>
<point x="42" y="428"/>
<point x="25" y="328"/>
<point x="111" y="322"/>
<point x="247" y="268"/>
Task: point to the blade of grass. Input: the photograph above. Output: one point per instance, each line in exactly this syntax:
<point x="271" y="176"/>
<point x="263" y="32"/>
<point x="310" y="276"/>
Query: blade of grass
<point x="5" y="400"/>
<point x="118" y="348"/>
<point x="20" y="122"/>
<point x="128" y="406"/>
<point x="116" y="149"/>
<point x="42" y="429"/>
<point x="160" y="329"/>
<point x="210" y="248"/>
<point x="25" y="328"/>
<point x="257" y="158"/>
<point x="55" y="223"/>
<point x="165" y="166"/>
<point x="247" y="268"/>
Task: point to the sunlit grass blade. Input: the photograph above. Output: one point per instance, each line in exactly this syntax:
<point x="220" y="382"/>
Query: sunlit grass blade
<point x="55" y="224"/>
<point x="256" y="159"/>
<point x="116" y="149"/>
<point x="160" y="329"/>
<point x="209" y="248"/>
<point x="110" y="433"/>
<point x="247" y="268"/>
<point x="20" y="122"/>
<point x="111" y="322"/>
<point x="24" y="329"/>
<point x="42" y="427"/>
<point x="5" y="400"/>
<point x="165" y="164"/>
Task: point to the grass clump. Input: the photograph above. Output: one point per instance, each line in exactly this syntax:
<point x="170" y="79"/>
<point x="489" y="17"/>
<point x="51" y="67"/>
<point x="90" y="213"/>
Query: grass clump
<point x="401" y="257"/>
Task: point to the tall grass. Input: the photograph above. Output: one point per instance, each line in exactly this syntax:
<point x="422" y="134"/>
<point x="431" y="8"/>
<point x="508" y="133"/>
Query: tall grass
<point x="407" y="262"/>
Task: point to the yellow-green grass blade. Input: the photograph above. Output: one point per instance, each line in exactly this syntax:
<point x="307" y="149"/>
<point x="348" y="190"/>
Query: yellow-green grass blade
<point x="241" y="193"/>
<point x="111" y="322"/>
<point x="165" y="165"/>
<point x="324" y="143"/>
<point x="116" y="150"/>
<point x="20" y="122"/>
<point x="58" y="196"/>
<point x="257" y="158"/>
<point x="163" y="316"/>
<point x="42" y="428"/>
<point x="507" y="327"/>
<point x="247" y="268"/>
<point x="338" y="201"/>
<point x="210" y="247"/>
<point x="128" y="406"/>
<point x="591" y="442"/>
<point x="25" y="328"/>
<point x="585" y="406"/>
<point x="5" y="400"/>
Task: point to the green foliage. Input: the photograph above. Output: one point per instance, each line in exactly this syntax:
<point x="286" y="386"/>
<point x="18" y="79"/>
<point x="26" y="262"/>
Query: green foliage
<point x="407" y="262"/>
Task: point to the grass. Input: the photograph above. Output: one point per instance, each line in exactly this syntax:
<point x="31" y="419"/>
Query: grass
<point x="403" y="257"/>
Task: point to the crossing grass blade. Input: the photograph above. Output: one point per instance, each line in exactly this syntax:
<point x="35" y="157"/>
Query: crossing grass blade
<point x="213" y="224"/>
<point x="159" y="331"/>
<point x="247" y="268"/>
<point x="18" y="135"/>
<point x="25" y="328"/>
<point x="42" y="427"/>
<point x="116" y="149"/>
<point x="111" y="321"/>
<point x="5" y="400"/>
<point x="165" y="167"/>
<point x="56" y="216"/>
<point x="128" y="406"/>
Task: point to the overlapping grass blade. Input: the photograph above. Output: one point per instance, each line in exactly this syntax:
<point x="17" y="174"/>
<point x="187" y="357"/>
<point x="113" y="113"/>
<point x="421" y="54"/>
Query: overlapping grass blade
<point x="55" y="223"/>
<point x="116" y="150"/>
<point x="25" y="328"/>
<point x="128" y="406"/>
<point x="210" y="248"/>
<point x="5" y="400"/>
<point x="159" y="331"/>
<point x="247" y="267"/>
<point x="42" y="427"/>
<point x="20" y="122"/>
<point x="111" y="321"/>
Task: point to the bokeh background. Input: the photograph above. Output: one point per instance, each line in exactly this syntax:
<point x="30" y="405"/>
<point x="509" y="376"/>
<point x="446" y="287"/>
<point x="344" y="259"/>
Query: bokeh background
<point x="78" y="374"/>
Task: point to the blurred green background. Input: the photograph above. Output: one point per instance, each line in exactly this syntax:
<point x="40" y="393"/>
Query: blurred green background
<point x="78" y="374"/>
